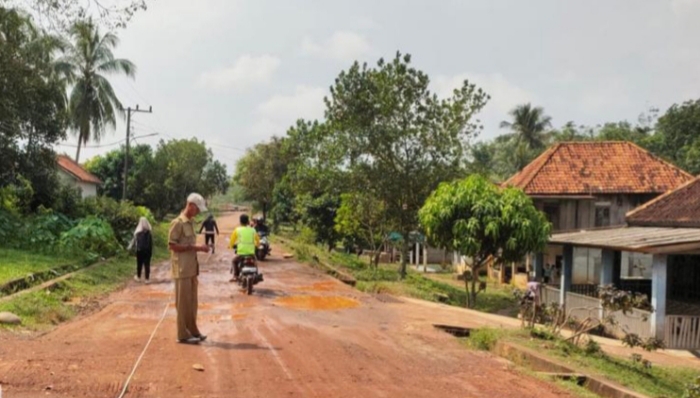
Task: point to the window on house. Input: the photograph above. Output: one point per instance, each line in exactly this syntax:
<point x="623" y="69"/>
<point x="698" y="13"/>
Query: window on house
<point x="602" y="216"/>
<point x="551" y="211"/>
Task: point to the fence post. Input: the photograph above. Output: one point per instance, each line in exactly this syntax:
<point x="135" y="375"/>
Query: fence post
<point x="659" y="283"/>
<point x="567" y="272"/>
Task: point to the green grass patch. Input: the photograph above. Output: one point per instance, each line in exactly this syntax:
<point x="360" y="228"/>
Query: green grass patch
<point x="657" y="381"/>
<point x="484" y="339"/>
<point x="64" y="300"/>
<point x="19" y="263"/>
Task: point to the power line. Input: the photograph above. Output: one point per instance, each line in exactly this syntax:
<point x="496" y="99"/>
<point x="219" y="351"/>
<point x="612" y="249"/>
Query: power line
<point x="93" y="146"/>
<point x="104" y="145"/>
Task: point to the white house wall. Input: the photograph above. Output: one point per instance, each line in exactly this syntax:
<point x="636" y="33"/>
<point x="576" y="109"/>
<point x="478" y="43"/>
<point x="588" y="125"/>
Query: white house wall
<point x="87" y="190"/>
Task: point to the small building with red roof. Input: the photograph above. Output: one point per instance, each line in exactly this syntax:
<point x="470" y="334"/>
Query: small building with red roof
<point x="70" y="172"/>
<point x="592" y="185"/>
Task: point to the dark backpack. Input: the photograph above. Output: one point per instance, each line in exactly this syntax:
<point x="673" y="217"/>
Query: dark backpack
<point x="143" y="241"/>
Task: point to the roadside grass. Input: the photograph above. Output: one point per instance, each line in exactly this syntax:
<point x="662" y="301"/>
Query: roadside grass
<point x="64" y="300"/>
<point x="657" y="381"/>
<point x="385" y="279"/>
<point x="18" y="263"/>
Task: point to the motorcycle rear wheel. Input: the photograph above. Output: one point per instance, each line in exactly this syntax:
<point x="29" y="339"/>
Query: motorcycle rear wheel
<point x="250" y="283"/>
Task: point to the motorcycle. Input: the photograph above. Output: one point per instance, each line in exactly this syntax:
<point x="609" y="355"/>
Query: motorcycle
<point x="249" y="275"/>
<point x="263" y="249"/>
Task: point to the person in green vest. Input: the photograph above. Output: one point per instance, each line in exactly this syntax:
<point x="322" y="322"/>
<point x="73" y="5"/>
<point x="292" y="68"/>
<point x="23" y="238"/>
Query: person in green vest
<point x="244" y="240"/>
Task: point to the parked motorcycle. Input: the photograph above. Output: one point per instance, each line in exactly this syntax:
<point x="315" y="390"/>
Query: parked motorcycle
<point x="263" y="249"/>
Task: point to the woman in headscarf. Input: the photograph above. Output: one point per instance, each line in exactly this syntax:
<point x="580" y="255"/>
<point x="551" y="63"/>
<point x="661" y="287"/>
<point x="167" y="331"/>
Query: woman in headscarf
<point x="143" y="241"/>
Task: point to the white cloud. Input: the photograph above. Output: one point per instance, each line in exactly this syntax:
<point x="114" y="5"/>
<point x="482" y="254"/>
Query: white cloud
<point x="682" y="8"/>
<point x="611" y="94"/>
<point x="341" y="46"/>
<point x="504" y="96"/>
<point x="247" y="71"/>
<point x="281" y="111"/>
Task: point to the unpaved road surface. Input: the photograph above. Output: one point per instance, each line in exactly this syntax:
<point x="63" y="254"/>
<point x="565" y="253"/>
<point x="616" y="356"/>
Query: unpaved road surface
<point x="301" y="334"/>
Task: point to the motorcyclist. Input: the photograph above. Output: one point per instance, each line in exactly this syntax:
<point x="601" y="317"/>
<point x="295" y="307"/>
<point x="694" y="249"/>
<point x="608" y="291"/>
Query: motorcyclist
<point x="244" y="240"/>
<point x="260" y="226"/>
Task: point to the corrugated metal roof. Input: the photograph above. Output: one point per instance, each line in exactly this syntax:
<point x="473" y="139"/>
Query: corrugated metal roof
<point x="636" y="239"/>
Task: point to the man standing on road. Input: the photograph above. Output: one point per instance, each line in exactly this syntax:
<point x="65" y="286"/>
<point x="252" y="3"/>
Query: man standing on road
<point x="245" y="239"/>
<point x="182" y="242"/>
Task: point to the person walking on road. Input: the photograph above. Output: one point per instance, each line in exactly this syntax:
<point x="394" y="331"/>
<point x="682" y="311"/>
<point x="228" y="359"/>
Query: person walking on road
<point x="244" y="240"/>
<point x="182" y="242"/>
<point x="143" y="243"/>
<point x="209" y="226"/>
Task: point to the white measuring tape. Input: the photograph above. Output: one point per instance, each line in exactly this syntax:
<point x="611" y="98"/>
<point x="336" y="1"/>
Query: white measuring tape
<point x="138" y="361"/>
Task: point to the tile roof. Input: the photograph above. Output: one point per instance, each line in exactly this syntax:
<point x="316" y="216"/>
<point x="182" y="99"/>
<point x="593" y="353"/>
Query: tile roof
<point x="677" y="208"/>
<point x="597" y="167"/>
<point x="71" y="167"/>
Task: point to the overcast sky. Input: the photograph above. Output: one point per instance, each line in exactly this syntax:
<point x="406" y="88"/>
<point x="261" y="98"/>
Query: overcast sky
<point x="236" y="72"/>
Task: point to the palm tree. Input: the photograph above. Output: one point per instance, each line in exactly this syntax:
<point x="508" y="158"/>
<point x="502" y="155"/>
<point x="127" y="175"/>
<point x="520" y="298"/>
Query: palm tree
<point x="529" y="125"/>
<point x="92" y="101"/>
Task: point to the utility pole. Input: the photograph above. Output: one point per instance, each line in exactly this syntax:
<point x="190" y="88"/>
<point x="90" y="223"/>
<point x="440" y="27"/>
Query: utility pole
<point x="128" y="136"/>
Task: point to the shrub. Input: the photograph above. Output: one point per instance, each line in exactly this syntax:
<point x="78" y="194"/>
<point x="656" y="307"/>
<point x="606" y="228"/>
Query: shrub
<point x="42" y="232"/>
<point x="307" y="235"/>
<point x="91" y="237"/>
<point x="9" y="227"/>
<point x="68" y="201"/>
<point x="692" y="390"/>
<point x="121" y="216"/>
<point x="484" y="339"/>
<point x="592" y="348"/>
<point x="17" y="196"/>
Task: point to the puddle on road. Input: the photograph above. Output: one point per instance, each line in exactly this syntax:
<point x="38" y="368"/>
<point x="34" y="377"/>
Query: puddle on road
<point x="320" y="287"/>
<point x="199" y="307"/>
<point x="157" y="294"/>
<point x="317" y="302"/>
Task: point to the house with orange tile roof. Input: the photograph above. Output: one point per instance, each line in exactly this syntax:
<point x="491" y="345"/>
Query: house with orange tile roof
<point x="70" y="172"/>
<point x="592" y="185"/>
<point x="667" y="231"/>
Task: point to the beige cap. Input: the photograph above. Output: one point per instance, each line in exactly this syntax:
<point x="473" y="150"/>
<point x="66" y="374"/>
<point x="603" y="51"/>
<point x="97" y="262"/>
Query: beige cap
<point x="198" y="200"/>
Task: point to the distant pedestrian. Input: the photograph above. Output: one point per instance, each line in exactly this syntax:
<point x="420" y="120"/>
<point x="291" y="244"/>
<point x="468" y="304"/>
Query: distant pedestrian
<point x="547" y="273"/>
<point x="182" y="241"/>
<point x="209" y="226"/>
<point x="143" y="243"/>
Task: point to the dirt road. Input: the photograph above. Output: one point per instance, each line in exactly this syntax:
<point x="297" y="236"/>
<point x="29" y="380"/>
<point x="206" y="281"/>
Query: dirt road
<point x="302" y="334"/>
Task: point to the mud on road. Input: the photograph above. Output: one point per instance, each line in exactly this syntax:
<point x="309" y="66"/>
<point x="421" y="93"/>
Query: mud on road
<point x="301" y="334"/>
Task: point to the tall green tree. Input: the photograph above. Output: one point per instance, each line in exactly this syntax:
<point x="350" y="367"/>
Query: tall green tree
<point x="364" y="217"/>
<point x="484" y="222"/>
<point x="179" y="168"/>
<point x="386" y="130"/>
<point x="161" y="180"/>
<point x="260" y="169"/>
<point x="529" y="125"/>
<point x="88" y="59"/>
<point x="32" y="111"/>
<point x="58" y="16"/>
<point x="678" y="133"/>
<point x="110" y="169"/>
